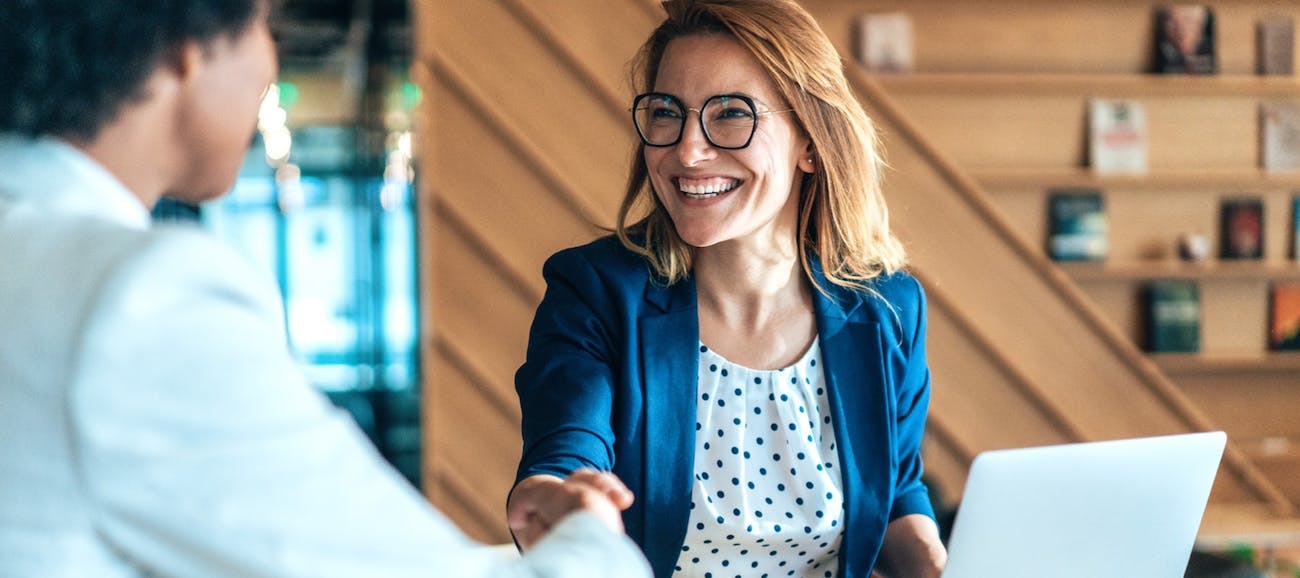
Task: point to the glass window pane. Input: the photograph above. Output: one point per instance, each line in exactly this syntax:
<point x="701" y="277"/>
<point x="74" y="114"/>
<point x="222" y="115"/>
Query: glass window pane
<point x="321" y="273"/>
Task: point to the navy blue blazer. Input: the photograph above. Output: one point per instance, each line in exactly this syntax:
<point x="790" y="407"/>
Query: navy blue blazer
<point x="610" y="381"/>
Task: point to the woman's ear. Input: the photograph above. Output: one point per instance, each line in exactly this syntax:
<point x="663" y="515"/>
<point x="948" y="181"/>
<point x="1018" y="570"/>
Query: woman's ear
<point x="808" y="159"/>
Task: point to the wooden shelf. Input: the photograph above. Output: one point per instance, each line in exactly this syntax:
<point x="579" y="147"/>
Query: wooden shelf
<point x="1108" y="85"/>
<point x="1214" y="269"/>
<point x="1218" y="180"/>
<point x="1197" y="363"/>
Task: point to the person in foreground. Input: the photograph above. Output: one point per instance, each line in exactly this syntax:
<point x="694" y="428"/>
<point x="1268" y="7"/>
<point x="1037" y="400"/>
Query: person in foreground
<point x="746" y="353"/>
<point x="153" y="421"/>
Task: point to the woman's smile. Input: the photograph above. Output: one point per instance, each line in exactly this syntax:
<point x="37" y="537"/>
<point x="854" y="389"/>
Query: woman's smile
<point x="706" y="187"/>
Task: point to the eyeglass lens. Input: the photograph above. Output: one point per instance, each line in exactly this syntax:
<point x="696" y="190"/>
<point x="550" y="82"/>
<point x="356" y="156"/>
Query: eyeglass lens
<point x="728" y="121"/>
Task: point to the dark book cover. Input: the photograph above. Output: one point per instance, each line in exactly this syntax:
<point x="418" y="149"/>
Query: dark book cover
<point x="1241" y="228"/>
<point x="1275" y="45"/>
<point x="1295" y="227"/>
<point x="1284" y="317"/>
<point x="1076" y="225"/>
<point x="1184" y="39"/>
<point x="1173" y="316"/>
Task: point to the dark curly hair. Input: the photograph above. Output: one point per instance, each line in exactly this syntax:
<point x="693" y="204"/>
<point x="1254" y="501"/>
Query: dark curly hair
<point x="67" y="67"/>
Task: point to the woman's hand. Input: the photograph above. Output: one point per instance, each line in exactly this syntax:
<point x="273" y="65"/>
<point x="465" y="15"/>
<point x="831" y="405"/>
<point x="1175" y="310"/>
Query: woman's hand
<point x="911" y="549"/>
<point x="538" y="503"/>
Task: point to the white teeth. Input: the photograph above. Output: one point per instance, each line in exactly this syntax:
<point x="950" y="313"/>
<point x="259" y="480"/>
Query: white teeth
<point x="707" y="190"/>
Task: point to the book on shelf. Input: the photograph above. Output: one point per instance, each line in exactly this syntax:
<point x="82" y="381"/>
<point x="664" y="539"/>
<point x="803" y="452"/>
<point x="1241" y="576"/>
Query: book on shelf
<point x="1117" y="136"/>
<point x="885" y="42"/>
<point x="1275" y="45"/>
<point x="1241" y="228"/>
<point x="1173" y="316"/>
<point x="1279" y="135"/>
<point x="1284" y="316"/>
<point x="1184" y="39"/>
<point x="1076" y="224"/>
<point x="1295" y="227"/>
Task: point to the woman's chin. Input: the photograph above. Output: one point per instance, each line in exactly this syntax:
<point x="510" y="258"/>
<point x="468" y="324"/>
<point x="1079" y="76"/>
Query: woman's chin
<point x="700" y="239"/>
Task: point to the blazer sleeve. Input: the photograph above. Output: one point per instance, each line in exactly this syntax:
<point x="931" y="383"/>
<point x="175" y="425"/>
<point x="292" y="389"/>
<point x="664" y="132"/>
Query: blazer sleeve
<point x="912" y="406"/>
<point x="206" y="454"/>
<point x="566" y="385"/>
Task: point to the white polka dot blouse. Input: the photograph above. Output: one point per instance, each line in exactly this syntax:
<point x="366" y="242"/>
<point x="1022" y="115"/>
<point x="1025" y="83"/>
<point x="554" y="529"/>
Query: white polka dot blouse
<point x="767" y="499"/>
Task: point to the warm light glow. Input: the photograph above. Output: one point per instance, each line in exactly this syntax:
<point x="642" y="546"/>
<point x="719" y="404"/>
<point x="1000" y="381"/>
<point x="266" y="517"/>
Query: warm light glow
<point x="397" y="170"/>
<point x="271" y="121"/>
<point x="278" y="142"/>
<point x="288" y="180"/>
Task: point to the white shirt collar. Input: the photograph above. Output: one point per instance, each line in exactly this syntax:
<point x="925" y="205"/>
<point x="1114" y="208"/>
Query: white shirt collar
<point x="52" y="173"/>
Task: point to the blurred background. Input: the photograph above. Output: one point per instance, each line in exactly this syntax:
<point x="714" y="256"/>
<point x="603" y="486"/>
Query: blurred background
<point x="325" y="204"/>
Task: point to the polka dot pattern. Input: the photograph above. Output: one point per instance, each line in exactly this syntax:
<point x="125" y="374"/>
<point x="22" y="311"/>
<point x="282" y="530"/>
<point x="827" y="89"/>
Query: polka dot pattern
<point x="767" y="498"/>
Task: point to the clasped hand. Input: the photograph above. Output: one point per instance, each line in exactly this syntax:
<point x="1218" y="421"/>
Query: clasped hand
<point x="539" y="502"/>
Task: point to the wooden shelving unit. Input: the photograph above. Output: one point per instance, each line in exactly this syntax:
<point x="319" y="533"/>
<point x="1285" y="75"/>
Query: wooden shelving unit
<point x="1154" y="180"/>
<point x="1176" y="364"/>
<point x="1002" y="90"/>
<point x="1213" y="269"/>
<point x="1127" y="85"/>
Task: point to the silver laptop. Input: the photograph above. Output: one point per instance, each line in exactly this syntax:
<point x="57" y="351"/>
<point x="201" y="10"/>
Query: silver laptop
<point x="1115" y="508"/>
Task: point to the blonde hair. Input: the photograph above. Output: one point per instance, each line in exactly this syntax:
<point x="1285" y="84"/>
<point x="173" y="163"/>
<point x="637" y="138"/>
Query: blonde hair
<point x="843" y="220"/>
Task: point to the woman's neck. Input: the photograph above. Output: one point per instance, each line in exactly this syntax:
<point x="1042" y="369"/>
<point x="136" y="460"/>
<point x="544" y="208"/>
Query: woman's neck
<point x="755" y="306"/>
<point x="745" y="284"/>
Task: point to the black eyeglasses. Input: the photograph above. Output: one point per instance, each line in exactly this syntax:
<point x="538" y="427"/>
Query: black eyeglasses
<point x="728" y="120"/>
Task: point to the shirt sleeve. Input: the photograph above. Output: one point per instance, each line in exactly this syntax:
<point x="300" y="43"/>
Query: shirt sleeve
<point x="913" y="390"/>
<point x="566" y="384"/>
<point x="205" y="453"/>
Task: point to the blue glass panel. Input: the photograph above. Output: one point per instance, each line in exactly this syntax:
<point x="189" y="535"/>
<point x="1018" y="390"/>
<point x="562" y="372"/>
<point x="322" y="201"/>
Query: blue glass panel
<point x="322" y="278"/>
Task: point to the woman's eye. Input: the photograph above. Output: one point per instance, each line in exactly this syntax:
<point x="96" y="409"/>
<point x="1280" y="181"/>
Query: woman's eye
<point x="735" y="113"/>
<point x="665" y="113"/>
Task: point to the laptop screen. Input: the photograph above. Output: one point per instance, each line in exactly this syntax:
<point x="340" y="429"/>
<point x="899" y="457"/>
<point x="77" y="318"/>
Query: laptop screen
<point x="1115" y="508"/>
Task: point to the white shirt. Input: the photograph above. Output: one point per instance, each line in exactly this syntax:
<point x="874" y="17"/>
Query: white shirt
<point x="767" y="499"/>
<point x="154" y="423"/>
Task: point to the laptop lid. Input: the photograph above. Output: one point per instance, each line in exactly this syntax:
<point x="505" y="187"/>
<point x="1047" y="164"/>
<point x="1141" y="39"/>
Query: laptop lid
<point x="1114" y="508"/>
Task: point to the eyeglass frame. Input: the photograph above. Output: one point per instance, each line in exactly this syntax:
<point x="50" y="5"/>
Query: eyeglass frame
<point x="699" y="113"/>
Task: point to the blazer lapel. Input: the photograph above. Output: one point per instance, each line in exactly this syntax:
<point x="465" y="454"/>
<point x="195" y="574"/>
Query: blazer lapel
<point x="669" y="334"/>
<point x="860" y="406"/>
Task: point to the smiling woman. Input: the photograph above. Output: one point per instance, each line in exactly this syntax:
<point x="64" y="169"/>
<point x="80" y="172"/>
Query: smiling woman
<point x="746" y="352"/>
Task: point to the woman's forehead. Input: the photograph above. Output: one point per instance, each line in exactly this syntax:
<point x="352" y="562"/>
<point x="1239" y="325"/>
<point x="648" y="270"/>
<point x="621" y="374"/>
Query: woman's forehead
<point x="697" y="67"/>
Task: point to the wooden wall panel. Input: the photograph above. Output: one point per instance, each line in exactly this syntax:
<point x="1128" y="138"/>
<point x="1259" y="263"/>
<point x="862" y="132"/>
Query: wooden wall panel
<point x="606" y="55"/>
<point x="540" y="97"/>
<point x="502" y="196"/>
<point x="979" y="396"/>
<point x="523" y="152"/>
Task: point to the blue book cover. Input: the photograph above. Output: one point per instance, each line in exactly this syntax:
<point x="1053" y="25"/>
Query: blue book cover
<point x="1076" y="225"/>
<point x="1173" y="316"/>
<point x="1295" y="228"/>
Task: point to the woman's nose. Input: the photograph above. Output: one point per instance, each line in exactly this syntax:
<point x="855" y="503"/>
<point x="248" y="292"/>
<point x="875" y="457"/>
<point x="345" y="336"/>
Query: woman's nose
<point x="694" y="146"/>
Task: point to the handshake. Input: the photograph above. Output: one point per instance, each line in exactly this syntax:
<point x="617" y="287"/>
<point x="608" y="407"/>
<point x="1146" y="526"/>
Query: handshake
<point x="539" y="502"/>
